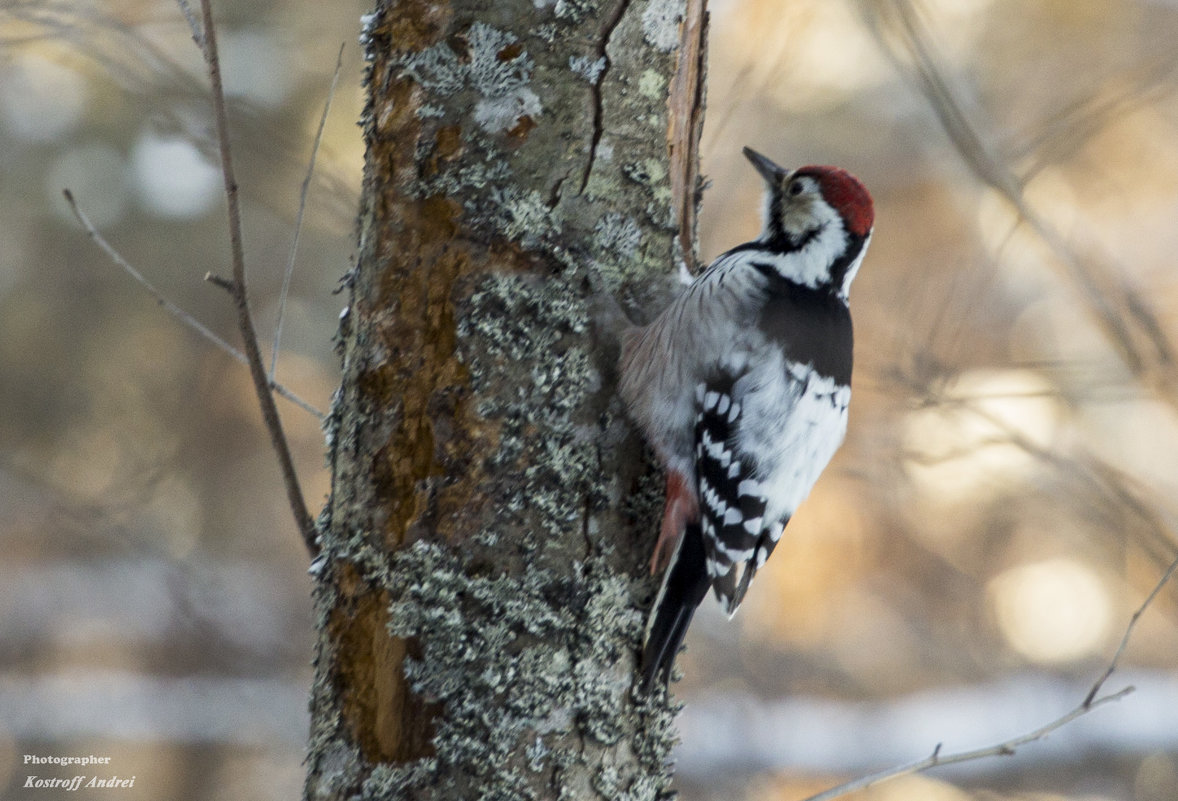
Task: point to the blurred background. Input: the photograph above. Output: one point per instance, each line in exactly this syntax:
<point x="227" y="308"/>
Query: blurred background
<point x="962" y="574"/>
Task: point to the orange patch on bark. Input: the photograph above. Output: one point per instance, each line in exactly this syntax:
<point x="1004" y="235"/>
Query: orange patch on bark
<point x="375" y="700"/>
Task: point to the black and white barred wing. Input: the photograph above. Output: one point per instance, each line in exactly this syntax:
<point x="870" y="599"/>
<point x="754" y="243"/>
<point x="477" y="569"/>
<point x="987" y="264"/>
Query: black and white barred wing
<point x="732" y="501"/>
<point x="764" y="429"/>
<point x="761" y="443"/>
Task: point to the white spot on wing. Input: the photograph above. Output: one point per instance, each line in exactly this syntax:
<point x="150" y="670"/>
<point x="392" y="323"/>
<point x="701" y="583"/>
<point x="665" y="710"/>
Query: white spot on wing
<point x="750" y="487"/>
<point x="716" y="450"/>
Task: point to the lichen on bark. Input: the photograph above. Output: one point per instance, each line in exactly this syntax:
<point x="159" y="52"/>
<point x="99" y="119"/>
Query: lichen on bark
<point x="482" y="589"/>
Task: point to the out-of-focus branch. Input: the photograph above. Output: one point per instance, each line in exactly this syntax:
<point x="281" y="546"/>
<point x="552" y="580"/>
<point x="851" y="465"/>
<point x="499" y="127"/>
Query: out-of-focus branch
<point x="240" y="295"/>
<point x="1009" y="747"/>
<point x="170" y="307"/>
<point x="1100" y="482"/>
<point x="1068" y="129"/>
<point x="1125" y="316"/>
<point x="120" y="45"/>
<point x="294" y="246"/>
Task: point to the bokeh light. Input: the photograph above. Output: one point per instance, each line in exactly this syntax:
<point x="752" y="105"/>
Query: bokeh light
<point x="1007" y="494"/>
<point x="40" y="98"/>
<point x="172" y="177"/>
<point x="1056" y="610"/>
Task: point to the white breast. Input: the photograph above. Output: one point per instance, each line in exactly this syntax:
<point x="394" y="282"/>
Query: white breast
<point x="793" y="422"/>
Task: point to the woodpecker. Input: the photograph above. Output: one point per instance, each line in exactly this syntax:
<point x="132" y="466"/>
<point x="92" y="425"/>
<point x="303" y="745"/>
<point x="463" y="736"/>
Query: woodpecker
<point x="741" y="387"/>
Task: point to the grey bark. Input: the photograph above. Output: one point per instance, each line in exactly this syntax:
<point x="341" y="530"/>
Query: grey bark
<point x="482" y="587"/>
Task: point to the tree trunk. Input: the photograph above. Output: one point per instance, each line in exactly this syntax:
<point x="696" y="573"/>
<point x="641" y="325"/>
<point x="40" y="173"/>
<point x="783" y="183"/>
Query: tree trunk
<point x="482" y="590"/>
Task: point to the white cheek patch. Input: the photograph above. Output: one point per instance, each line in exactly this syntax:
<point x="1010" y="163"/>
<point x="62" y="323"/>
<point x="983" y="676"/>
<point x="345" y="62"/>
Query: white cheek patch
<point x="810" y="265"/>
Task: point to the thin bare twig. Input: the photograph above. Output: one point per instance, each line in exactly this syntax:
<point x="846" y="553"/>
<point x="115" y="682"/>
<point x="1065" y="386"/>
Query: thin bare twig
<point x="219" y="282"/>
<point x="198" y="35"/>
<point x="936" y="759"/>
<point x="245" y="319"/>
<point x="1009" y="747"/>
<point x="170" y="307"/>
<point x="294" y="247"/>
<point x="1112" y="666"/>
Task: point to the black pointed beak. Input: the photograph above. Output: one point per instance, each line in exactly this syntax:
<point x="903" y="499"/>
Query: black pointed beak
<point x="771" y="172"/>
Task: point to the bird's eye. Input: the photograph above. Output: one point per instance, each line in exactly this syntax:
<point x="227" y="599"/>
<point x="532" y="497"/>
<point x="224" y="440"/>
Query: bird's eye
<point x="795" y="188"/>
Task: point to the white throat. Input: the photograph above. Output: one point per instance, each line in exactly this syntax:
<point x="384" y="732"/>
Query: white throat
<point x="810" y="264"/>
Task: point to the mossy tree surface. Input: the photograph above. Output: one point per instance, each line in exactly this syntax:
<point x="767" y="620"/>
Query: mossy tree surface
<point x="482" y="590"/>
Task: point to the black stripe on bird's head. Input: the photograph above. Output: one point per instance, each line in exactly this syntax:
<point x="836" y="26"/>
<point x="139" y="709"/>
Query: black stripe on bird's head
<point x="823" y="210"/>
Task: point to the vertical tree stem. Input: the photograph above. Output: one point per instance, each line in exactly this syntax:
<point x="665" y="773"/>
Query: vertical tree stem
<point x="245" y="322"/>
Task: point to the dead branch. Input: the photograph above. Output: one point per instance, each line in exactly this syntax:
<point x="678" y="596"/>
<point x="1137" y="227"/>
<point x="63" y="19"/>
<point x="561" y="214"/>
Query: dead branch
<point x="294" y="246"/>
<point x="245" y="319"/>
<point x="1091" y="701"/>
<point x="1112" y="665"/>
<point x="170" y="307"/>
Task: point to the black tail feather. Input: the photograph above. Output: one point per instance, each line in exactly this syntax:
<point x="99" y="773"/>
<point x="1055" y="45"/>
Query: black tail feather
<point x="683" y="590"/>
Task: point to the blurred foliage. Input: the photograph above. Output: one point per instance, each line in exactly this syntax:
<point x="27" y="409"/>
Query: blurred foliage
<point x="147" y="536"/>
<point x="1005" y="498"/>
<point x="1004" y="501"/>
